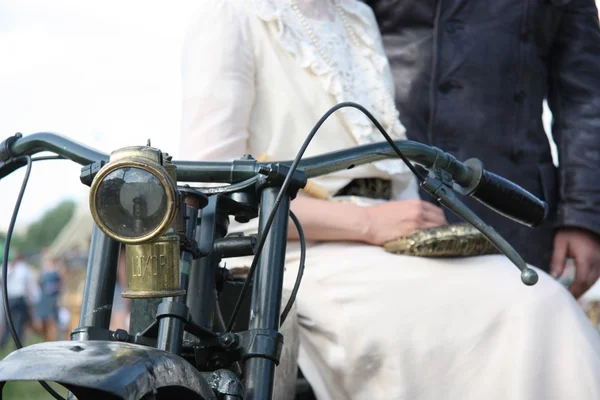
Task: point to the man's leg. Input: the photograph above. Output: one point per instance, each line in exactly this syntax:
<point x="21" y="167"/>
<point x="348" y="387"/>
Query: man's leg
<point x="20" y="316"/>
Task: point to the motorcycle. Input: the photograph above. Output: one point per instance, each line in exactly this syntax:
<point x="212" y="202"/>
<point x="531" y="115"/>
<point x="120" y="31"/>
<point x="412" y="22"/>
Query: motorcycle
<point x="176" y="237"/>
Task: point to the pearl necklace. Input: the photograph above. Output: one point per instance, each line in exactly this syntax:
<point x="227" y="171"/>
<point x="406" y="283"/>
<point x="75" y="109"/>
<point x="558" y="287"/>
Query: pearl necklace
<point x="311" y="34"/>
<point x="389" y="122"/>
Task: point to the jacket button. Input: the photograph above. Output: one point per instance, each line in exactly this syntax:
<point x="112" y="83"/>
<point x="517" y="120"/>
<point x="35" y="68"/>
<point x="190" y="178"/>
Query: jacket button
<point x="517" y="156"/>
<point x="453" y="26"/>
<point x="447" y="86"/>
<point x="525" y="36"/>
<point x="520" y="96"/>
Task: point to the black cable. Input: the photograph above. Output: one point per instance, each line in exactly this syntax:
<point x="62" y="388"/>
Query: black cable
<point x="9" y="233"/>
<point x="290" y="303"/>
<point x="287" y="181"/>
<point x="229" y="188"/>
<point x="45" y="158"/>
<point x="387" y="138"/>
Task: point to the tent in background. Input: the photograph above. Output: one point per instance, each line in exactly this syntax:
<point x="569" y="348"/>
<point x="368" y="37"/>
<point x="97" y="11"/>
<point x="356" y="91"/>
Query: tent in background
<point x="75" y="236"/>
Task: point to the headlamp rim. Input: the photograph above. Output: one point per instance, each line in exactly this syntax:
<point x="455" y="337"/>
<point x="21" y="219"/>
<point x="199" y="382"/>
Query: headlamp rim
<point x="155" y="169"/>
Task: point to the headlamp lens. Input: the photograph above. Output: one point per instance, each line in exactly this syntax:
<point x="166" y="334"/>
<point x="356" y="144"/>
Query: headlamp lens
<point x="131" y="202"/>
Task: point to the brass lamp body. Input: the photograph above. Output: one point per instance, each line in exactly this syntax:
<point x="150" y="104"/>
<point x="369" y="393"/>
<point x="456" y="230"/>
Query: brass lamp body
<point x="153" y="269"/>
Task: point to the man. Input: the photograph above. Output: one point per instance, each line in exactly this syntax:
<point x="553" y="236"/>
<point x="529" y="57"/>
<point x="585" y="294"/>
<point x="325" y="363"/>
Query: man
<point x="471" y="77"/>
<point x="22" y="293"/>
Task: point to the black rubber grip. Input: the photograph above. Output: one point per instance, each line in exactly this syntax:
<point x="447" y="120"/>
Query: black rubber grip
<point x="6" y="147"/>
<point x="5" y="153"/>
<point x="510" y="200"/>
<point x="7" y="159"/>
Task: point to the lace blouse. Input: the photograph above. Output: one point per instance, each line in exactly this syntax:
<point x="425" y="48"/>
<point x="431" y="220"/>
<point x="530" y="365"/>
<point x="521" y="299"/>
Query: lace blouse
<point x="258" y="74"/>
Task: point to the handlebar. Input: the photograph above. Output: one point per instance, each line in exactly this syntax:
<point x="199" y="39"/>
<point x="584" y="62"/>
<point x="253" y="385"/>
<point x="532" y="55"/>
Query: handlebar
<point x="469" y="178"/>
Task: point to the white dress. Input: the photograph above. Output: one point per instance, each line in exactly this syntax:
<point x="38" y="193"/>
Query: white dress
<point x="373" y="325"/>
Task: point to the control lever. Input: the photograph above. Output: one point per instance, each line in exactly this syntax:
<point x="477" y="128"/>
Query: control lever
<point x="449" y="199"/>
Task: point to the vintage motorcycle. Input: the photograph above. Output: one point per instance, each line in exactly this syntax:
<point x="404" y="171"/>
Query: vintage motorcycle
<point x="176" y="237"/>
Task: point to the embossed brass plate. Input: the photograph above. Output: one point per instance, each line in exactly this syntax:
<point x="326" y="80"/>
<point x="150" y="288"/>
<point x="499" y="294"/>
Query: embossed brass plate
<point x="458" y="240"/>
<point x="153" y="269"/>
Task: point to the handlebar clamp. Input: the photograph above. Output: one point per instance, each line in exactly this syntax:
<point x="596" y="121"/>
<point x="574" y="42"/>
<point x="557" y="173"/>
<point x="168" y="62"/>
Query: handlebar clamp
<point x="261" y="343"/>
<point x="89" y="172"/>
<point x="276" y="173"/>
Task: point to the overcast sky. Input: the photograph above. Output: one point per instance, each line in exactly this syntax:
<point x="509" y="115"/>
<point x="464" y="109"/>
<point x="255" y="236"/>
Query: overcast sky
<point x="104" y="73"/>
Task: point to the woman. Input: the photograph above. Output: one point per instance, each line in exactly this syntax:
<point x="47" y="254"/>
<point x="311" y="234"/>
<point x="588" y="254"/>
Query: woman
<point x="46" y="310"/>
<point x="257" y="76"/>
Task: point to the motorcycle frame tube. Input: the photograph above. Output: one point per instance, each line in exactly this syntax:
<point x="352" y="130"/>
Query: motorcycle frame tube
<point x="100" y="280"/>
<point x="201" y="290"/>
<point x="266" y="292"/>
<point x="171" y="329"/>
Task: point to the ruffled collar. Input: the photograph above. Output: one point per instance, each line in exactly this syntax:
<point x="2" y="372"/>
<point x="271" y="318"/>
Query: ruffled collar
<point x="271" y="11"/>
<point x="295" y="42"/>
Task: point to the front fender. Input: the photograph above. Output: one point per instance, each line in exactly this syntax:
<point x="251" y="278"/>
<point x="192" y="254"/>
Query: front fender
<point x="107" y="370"/>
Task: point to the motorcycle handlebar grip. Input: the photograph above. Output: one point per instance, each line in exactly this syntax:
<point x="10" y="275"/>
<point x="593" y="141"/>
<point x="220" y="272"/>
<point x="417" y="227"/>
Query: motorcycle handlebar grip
<point x="5" y="147"/>
<point x="505" y="197"/>
<point x="7" y="162"/>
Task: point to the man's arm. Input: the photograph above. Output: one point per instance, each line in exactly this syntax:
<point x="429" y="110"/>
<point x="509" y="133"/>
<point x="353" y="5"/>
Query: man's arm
<point x="574" y="99"/>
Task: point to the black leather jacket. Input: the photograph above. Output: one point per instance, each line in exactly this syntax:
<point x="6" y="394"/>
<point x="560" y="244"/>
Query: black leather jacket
<point x="471" y="77"/>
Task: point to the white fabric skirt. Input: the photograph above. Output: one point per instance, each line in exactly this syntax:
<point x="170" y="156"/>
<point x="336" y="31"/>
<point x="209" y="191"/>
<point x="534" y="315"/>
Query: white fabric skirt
<point x="375" y="325"/>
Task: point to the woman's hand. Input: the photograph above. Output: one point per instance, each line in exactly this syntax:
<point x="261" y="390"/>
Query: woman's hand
<point x="391" y="220"/>
<point x="325" y="220"/>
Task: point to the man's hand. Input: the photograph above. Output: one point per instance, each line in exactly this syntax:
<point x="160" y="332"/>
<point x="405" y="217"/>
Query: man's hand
<point x="584" y="248"/>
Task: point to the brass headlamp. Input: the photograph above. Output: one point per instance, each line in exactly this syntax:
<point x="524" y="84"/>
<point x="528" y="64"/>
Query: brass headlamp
<point x="134" y="200"/>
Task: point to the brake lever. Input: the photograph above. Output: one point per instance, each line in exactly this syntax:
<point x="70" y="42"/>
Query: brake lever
<point x="446" y="197"/>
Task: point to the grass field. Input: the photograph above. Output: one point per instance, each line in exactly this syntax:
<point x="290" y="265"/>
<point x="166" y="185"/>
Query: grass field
<point x="27" y="390"/>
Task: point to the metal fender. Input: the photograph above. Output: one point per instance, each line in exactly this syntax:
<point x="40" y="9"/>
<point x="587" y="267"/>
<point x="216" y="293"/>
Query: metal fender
<point x="107" y="370"/>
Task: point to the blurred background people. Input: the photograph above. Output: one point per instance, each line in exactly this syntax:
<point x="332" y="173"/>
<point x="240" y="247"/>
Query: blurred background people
<point x="23" y="294"/>
<point x="46" y="310"/>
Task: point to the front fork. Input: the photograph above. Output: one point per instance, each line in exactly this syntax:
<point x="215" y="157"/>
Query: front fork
<point x="99" y="286"/>
<point x="173" y="313"/>
<point x="266" y="295"/>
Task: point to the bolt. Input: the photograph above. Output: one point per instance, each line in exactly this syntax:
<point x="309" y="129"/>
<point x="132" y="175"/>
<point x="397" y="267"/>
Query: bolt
<point x="227" y="340"/>
<point x="120" y="335"/>
<point x="215" y="380"/>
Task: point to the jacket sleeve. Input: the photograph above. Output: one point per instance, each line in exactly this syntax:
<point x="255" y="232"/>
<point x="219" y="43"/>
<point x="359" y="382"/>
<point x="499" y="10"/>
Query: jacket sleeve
<point x="574" y="99"/>
<point x="218" y="83"/>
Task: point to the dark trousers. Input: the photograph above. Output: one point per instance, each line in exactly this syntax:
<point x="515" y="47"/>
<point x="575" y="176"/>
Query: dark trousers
<point x="20" y="315"/>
